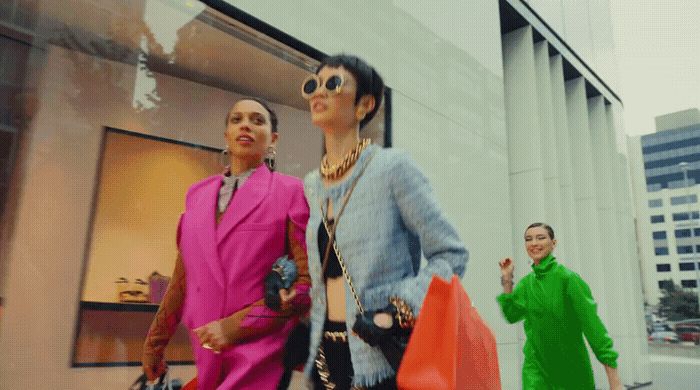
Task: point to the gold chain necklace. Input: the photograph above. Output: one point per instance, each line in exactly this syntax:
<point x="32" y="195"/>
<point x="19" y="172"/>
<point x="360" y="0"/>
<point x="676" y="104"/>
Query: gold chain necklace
<point x="334" y="171"/>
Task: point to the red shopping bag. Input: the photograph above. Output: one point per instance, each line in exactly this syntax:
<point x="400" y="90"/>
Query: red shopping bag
<point x="451" y="347"/>
<point x="191" y="385"/>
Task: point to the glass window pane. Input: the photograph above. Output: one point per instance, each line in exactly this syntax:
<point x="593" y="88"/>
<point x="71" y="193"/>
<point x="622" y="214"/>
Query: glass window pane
<point x="665" y="284"/>
<point x="686" y="266"/>
<point x="659" y="235"/>
<point x="689" y="283"/>
<point x="109" y="112"/>
<point x="656" y="203"/>
<point x="685" y="249"/>
<point x="681" y="233"/>
<point x="680" y="216"/>
<point x="661" y="251"/>
<point x="678" y="200"/>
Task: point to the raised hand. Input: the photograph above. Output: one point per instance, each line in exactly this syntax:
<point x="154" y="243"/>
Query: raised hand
<point x="507" y="267"/>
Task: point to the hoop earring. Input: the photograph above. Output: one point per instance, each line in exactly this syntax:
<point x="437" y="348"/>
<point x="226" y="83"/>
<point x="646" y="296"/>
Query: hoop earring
<point x="270" y="158"/>
<point x="224" y="159"/>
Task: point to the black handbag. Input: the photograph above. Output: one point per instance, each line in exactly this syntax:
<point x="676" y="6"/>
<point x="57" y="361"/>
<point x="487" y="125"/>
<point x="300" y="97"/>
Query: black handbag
<point x="296" y="352"/>
<point x="394" y="346"/>
<point x="164" y="383"/>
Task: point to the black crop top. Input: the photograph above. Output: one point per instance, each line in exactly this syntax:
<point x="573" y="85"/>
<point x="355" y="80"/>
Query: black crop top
<point x="333" y="269"/>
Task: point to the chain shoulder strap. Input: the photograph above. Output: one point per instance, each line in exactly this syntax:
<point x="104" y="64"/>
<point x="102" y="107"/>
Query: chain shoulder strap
<point x="342" y="265"/>
<point x="331" y="234"/>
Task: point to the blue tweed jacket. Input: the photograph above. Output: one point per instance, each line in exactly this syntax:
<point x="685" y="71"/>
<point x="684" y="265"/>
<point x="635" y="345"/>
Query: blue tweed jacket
<point x="390" y="216"/>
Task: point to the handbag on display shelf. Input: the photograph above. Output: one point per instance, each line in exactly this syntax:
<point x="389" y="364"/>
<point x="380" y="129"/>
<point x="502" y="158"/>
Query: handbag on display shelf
<point x="157" y="284"/>
<point x="451" y="347"/>
<point x="131" y="292"/>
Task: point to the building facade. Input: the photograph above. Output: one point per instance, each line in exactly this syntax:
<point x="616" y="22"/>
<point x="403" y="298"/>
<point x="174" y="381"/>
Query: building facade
<point x="511" y="108"/>
<point x="665" y="183"/>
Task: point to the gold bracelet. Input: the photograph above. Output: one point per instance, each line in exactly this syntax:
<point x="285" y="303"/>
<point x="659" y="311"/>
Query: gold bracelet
<point x="404" y="314"/>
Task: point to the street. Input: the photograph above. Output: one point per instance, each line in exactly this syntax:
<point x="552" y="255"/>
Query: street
<point x="674" y="373"/>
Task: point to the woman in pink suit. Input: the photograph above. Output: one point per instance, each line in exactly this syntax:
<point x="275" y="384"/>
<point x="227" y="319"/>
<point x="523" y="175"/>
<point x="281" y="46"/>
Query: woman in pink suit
<point x="234" y="229"/>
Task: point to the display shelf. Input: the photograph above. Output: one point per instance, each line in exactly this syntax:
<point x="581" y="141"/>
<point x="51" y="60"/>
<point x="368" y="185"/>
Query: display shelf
<point x="119" y="306"/>
<point x="111" y="334"/>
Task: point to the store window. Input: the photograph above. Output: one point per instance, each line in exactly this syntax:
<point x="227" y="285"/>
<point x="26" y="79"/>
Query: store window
<point x="109" y="111"/>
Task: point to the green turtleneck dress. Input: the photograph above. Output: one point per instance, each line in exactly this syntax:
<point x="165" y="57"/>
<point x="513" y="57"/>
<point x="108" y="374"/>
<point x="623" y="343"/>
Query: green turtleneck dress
<point x="558" y="310"/>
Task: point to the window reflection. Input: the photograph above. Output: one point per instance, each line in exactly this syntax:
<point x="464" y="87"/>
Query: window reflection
<point x="165" y="70"/>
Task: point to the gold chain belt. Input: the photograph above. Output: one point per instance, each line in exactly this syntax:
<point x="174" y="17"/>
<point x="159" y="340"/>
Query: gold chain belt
<point x="325" y="374"/>
<point x="336" y="336"/>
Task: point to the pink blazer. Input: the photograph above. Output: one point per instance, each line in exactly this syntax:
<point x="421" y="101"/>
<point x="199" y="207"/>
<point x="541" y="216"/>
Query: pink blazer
<point x="225" y="266"/>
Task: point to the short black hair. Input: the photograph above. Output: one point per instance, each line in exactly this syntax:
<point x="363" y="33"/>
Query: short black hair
<point x="369" y="82"/>
<point x="545" y="226"/>
<point x="266" y="106"/>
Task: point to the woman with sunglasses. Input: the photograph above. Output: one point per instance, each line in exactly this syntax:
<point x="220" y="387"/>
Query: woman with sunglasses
<point x="241" y="245"/>
<point x="558" y="310"/>
<point x="371" y="212"/>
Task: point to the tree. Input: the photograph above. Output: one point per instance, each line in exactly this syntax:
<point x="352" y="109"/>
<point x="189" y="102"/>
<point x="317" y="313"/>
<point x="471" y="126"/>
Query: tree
<point x="677" y="304"/>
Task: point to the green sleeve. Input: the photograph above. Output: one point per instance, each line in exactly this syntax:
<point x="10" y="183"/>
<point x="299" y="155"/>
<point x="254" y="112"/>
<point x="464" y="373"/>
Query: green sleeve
<point x="513" y="304"/>
<point x="594" y="330"/>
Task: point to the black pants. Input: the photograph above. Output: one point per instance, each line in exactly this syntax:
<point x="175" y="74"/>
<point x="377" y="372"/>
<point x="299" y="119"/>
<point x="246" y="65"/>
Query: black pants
<point x="339" y="363"/>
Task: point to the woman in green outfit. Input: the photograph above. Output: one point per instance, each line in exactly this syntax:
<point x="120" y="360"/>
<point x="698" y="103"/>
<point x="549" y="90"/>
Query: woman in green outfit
<point x="558" y="310"/>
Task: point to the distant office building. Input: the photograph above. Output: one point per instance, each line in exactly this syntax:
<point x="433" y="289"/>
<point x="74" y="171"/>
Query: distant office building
<point x="665" y="173"/>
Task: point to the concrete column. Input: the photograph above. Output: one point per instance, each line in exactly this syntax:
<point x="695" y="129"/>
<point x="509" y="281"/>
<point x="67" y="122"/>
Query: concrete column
<point x="548" y="135"/>
<point x="636" y="327"/>
<point x="628" y="320"/>
<point x="593" y="267"/>
<point x="567" y="245"/>
<point x="524" y="146"/>
<point x="643" y="365"/>
<point x="627" y="227"/>
<point x="524" y="141"/>
<point x="616" y="276"/>
<point x="628" y="243"/>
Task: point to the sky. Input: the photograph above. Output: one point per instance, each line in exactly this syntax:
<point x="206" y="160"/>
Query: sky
<point x="658" y="53"/>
